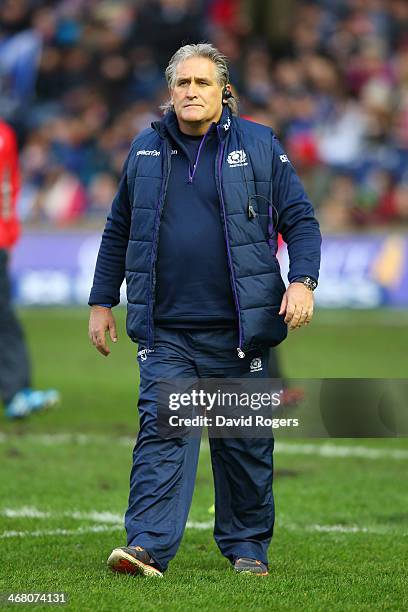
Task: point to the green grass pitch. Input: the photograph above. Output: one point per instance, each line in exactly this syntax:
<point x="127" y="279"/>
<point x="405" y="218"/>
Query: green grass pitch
<point x="341" y="536"/>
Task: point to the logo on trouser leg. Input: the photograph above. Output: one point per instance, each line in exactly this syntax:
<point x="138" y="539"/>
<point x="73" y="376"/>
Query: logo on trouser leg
<point x="143" y="353"/>
<point x="255" y="365"/>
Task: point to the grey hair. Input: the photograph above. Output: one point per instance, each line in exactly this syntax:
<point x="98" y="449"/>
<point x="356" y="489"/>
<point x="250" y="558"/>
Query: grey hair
<point x="199" y="50"/>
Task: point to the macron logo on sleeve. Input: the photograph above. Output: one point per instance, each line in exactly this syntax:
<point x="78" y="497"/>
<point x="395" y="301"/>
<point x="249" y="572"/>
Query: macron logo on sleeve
<point x="153" y="153"/>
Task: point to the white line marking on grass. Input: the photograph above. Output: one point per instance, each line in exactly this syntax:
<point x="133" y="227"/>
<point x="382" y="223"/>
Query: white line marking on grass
<point x="96" y="517"/>
<point x="328" y="450"/>
<point x="84" y="530"/>
<point x="58" y="439"/>
<point x="338" y="529"/>
<point x="31" y="512"/>
<point x="116" y="524"/>
<point x="24" y="512"/>
<point x="198" y="525"/>
<point x="332" y="528"/>
<point x="60" y="532"/>
<point x="343" y="529"/>
<point x="339" y="451"/>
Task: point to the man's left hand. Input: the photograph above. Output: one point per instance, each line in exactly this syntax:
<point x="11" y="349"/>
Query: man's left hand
<point x="297" y="305"/>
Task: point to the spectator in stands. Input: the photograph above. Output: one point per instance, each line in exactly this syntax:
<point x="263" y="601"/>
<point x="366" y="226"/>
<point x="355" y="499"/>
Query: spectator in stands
<point x="328" y="76"/>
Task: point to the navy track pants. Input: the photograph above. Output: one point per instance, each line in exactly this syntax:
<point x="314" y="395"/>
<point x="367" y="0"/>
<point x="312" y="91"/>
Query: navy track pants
<point x="164" y="470"/>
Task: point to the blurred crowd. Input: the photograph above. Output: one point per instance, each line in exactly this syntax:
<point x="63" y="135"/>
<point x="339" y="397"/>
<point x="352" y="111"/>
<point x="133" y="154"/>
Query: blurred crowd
<point x="80" y="78"/>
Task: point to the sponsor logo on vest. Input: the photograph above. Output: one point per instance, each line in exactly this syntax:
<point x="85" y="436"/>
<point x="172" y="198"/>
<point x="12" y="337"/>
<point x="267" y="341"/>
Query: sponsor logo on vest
<point x="153" y="153"/>
<point x="284" y="159"/>
<point x="255" y="365"/>
<point x="237" y="158"/>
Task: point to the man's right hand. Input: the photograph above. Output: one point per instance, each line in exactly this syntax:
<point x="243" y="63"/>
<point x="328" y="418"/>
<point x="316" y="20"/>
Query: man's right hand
<point x="102" y="320"/>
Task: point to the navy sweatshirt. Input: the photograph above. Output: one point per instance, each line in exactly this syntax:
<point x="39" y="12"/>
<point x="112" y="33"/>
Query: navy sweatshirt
<point x="193" y="283"/>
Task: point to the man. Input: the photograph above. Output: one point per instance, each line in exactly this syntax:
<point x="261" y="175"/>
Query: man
<point x="191" y="228"/>
<point x="18" y="397"/>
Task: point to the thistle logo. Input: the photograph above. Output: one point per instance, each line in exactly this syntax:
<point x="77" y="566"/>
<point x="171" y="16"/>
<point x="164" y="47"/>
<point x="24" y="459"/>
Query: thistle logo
<point x="284" y="159"/>
<point x="237" y="158"/>
<point x="255" y="365"/>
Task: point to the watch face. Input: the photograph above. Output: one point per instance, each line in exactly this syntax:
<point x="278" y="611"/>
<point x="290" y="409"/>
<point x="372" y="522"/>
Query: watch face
<point x="310" y="283"/>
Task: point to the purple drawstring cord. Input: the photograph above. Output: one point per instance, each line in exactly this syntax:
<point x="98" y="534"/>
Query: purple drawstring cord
<point x="191" y="174"/>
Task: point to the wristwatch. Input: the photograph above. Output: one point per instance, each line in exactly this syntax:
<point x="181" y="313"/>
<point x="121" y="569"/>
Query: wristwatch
<point x="308" y="282"/>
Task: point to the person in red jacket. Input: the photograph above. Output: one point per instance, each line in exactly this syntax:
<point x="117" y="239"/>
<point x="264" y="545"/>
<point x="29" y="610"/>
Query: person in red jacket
<point x="16" y="393"/>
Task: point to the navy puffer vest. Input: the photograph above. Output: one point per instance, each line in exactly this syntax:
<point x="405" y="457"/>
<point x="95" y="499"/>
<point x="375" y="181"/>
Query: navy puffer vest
<point x="259" y="194"/>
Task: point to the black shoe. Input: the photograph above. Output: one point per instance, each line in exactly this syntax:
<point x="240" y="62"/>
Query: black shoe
<point x="243" y="565"/>
<point x="132" y="560"/>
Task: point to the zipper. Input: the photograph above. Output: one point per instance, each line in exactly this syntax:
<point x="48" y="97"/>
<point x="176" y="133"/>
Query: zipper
<point x="220" y="154"/>
<point x="251" y="212"/>
<point x="159" y="210"/>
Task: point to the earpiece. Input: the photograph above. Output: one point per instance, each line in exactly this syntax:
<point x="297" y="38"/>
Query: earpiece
<point x="226" y="94"/>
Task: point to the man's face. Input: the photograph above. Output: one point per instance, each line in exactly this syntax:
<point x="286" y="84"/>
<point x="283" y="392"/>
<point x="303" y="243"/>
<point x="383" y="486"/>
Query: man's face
<point x="197" y="94"/>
